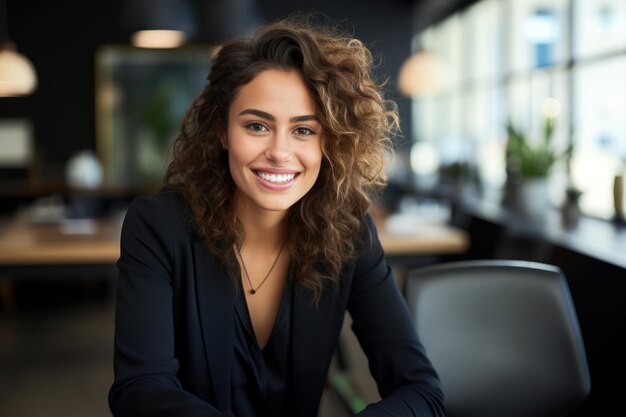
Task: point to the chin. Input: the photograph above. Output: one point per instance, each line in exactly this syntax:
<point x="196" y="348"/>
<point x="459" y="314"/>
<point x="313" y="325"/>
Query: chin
<point x="278" y="204"/>
<point x="279" y="207"/>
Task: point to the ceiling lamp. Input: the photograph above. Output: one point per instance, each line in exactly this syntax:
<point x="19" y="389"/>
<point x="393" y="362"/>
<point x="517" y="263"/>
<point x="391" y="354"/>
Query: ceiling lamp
<point x="17" y="73"/>
<point x="160" y="23"/>
<point x="158" y="38"/>
<point x="422" y="74"/>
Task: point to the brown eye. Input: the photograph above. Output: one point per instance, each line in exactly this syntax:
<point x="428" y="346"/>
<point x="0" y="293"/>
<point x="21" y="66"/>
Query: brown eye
<point x="304" y="131"/>
<point x="256" y="127"/>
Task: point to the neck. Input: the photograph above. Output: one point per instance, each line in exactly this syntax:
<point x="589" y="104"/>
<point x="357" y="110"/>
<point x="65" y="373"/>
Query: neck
<point x="264" y="227"/>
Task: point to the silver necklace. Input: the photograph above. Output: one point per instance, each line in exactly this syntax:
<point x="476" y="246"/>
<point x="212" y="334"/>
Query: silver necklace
<point x="252" y="289"/>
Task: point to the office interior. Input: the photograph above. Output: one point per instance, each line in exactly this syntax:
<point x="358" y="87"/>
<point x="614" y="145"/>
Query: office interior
<point x="513" y="137"/>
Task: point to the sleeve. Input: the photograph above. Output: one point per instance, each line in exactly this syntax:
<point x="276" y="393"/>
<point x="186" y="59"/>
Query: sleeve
<point x="406" y="380"/>
<point x="145" y="366"/>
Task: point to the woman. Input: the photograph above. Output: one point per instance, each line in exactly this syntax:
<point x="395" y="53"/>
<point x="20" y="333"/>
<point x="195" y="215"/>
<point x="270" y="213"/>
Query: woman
<point x="234" y="280"/>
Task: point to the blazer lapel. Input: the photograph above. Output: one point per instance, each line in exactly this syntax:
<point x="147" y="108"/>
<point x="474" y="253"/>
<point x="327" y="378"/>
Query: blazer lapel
<point x="215" y="298"/>
<point x="315" y="332"/>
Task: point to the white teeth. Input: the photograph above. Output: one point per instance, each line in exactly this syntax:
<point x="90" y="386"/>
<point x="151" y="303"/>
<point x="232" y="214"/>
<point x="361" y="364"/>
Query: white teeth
<point x="280" y="178"/>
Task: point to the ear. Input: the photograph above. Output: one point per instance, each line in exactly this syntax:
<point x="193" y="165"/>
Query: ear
<point x="224" y="141"/>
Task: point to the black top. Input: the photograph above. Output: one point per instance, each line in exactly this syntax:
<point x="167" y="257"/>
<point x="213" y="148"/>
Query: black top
<point x="175" y="326"/>
<point x="260" y="377"/>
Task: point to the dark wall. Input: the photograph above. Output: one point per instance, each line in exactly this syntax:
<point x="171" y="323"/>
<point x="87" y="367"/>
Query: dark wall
<point x="429" y="12"/>
<point x="61" y="39"/>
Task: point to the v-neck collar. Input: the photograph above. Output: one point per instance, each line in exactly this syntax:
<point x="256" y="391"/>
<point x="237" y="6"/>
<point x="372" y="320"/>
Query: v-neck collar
<point x="241" y="309"/>
<point x="314" y="332"/>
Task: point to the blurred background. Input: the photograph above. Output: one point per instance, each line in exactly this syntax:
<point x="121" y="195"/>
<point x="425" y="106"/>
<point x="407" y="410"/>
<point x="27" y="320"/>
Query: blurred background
<point x="513" y="117"/>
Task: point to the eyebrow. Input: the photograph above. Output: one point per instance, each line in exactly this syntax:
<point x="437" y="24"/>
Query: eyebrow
<point x="267" y="116"/>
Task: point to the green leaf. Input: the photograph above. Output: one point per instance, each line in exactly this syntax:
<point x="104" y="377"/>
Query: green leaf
<point x="526" y="160"/>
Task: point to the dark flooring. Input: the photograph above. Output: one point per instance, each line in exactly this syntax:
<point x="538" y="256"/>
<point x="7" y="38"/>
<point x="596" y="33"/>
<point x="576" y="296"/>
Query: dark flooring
<point x="56" y="353"/>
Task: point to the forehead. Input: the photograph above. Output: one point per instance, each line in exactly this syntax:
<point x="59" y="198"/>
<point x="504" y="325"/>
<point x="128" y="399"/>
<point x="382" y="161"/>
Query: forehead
<point x="275" y="91"/>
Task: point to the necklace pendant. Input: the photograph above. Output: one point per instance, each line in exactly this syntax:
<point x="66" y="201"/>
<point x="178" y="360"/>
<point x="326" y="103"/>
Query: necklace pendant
<point x="243" y="265"/>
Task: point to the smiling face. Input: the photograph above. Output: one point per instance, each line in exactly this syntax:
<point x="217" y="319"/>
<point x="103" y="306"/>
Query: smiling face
<point x="273" y="141"/>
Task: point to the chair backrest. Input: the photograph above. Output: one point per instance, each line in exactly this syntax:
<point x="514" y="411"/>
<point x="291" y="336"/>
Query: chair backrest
<point x="503" y="336"/>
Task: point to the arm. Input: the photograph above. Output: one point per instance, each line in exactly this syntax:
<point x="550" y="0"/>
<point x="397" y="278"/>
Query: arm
<point x="145" y="365"/>
<point x="406" y="380"/>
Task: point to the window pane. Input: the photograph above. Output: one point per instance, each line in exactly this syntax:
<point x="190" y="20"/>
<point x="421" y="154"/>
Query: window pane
<point x="445" y="42"/>
<point x="436" y="117"/>
<point x="599" y="130"/>
<point x="484" y="37"/>
<point x="600" y="26"/>
<point x="538" y="31"/>
<point x="425" y="119"/>
<point x="450" y="145"/>
<point x="485" y="126"/>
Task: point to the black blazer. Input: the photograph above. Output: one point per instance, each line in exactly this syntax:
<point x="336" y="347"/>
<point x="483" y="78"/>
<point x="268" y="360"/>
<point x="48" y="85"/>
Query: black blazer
<point x="174" y="326"/>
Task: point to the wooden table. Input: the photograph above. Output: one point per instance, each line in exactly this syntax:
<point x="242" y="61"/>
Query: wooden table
<point x="425" y="237"/>
<point x="412" y="240"/>
<point x="67" y="243"/>
<point x="97" y="242"/>
<point x="56" y="250"/>
<point x="25" y="246"/>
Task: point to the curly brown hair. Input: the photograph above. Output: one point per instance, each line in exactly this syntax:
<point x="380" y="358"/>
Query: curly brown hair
<point x="357" y="124"/>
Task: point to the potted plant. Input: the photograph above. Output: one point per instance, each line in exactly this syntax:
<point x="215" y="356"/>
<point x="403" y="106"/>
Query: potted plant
<point x="528" y="166"/>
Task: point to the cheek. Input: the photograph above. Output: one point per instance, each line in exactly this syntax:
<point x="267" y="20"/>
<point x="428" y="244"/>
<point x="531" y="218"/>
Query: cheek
<point x="316" y="159"/>
<point x="236" y="160"/>
<point x="312" y="157"/>
<point x="316" y="162"/>
<point x="238" y="152"/>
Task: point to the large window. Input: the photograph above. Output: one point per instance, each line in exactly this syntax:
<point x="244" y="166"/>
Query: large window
<point x="600" y="130"/>
<point x="600" y="27"/>
<point x="517" y="60"/>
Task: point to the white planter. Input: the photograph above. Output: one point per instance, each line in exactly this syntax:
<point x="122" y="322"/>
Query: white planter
<point x="533" y="201"/>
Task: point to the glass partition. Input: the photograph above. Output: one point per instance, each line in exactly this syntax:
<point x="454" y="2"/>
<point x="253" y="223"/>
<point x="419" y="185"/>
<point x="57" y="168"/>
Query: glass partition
<point x="141" y="97"/>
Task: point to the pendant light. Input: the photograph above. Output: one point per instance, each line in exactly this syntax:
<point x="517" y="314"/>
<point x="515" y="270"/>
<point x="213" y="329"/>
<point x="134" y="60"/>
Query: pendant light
<point x="160" y="23"/>
<point x="422" y="74"/>
<point x="17" y="73"/>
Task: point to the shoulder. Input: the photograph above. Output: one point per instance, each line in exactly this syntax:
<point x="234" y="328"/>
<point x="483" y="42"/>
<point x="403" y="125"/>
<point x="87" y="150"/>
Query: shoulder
<point x="369" y="243"/>
<point x="369" y="252"/>
<point x="156" y="230"/>
<point x="164" y="201"/>
<point x="163" y="211"/>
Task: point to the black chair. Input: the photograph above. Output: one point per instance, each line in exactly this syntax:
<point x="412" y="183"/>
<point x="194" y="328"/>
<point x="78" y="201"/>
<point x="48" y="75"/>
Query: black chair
<point x="503" y="336"/>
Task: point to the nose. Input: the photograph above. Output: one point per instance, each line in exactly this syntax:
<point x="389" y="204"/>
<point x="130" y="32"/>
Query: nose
<point x="279" y="149"/>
